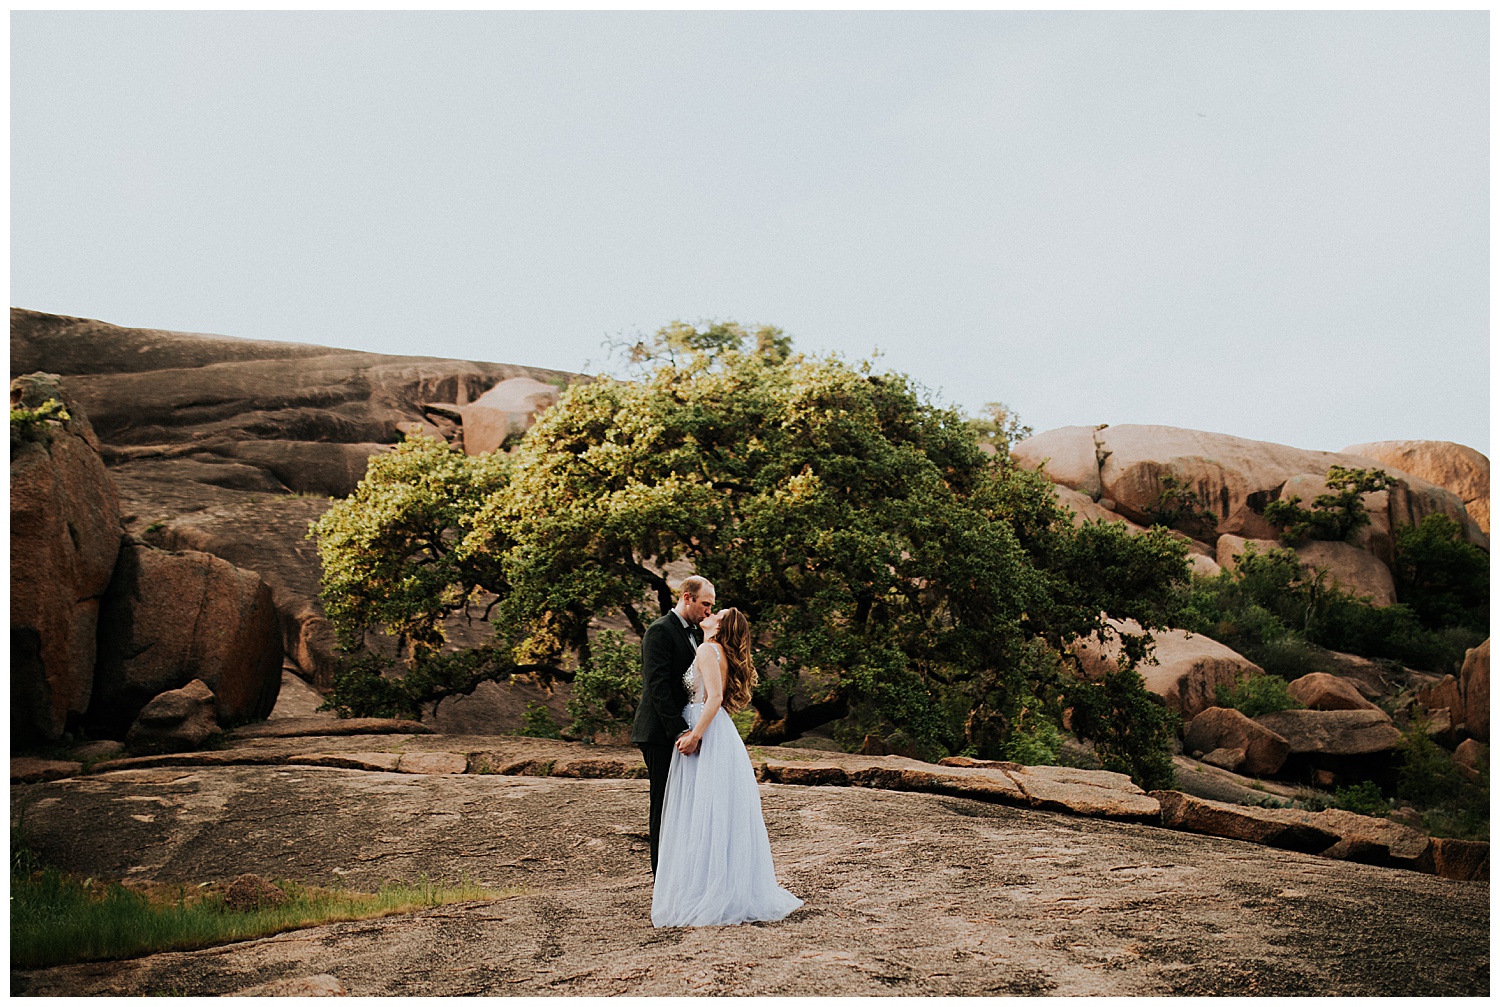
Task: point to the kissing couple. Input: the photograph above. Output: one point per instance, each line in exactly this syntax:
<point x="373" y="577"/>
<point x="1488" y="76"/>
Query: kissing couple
<point x="710" y="853"/>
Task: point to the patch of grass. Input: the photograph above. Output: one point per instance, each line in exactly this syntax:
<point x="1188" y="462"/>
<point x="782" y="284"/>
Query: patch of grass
<point x="56" y="918"/>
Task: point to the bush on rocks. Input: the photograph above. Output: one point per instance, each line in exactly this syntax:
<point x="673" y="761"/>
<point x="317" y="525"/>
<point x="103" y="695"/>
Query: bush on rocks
<point x="1265" y="609"/>
<point x="1331" y="516"/>
<point x="1452" y="804"/>
<point x="1445" y="579"/>
<point x="1258" y="694"/>
<point x="1362" y="798"/>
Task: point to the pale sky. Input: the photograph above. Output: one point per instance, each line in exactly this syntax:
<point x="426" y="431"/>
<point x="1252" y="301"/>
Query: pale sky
<point x="1273" y="225"/>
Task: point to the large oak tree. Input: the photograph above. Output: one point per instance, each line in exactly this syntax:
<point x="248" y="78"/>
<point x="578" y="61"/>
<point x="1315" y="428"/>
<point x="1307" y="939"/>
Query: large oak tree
<point x="871" y="541"/>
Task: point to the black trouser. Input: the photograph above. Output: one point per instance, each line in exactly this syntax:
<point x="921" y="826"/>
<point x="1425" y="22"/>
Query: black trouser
<point x="658" y="756"/>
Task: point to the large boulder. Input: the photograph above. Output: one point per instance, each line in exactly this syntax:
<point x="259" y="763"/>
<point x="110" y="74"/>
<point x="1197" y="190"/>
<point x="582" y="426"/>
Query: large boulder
<point x="1219" y="728"/>
<point x="1472" y="758"/>
<point x="509" y="409"/>
<point x="1335" y="732"/>
<point x="1188" y="670"/>
<point x="268" y="534"/>
<point x="1455" y="467"/>
<point x="1475" y="680"/>
<point x="1233" y="476"/>
<point x="1228" y="549"/>
<point x="1349" y="567"/>
<point x="171" y="617"/>
<point x="1069" y="456"/>
<point x="1083" y="508"/>
<point x="178" y="720"/>
<point x="64" y="537"/>
<point x="1321" y="691"/>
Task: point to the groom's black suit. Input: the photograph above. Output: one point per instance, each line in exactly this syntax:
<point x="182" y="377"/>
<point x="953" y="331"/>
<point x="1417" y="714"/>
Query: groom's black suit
<point x="667" y="651"/>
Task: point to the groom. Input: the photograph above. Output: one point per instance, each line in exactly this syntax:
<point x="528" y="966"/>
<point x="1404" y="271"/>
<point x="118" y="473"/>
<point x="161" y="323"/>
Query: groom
<point x="667" y="651"/>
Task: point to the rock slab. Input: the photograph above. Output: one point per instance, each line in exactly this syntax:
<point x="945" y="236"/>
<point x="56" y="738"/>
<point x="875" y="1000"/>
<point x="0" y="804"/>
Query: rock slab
<point x="908" y="894"/>
<point x="1338" y="835"/>
<point x="1334" y="732"/>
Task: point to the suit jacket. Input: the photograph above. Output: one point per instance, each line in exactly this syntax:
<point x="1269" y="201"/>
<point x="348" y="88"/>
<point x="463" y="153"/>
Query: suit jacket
<point x="667" y="652"/>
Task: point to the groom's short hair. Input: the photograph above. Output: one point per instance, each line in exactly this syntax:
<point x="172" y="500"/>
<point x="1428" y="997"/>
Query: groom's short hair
<point x="692" y="586"/>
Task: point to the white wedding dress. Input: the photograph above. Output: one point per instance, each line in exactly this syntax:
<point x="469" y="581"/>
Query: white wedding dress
<point x="714" y="862"/>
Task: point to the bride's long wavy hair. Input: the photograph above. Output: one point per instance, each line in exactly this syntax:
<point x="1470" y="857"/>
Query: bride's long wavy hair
<point x="734" y="637"/>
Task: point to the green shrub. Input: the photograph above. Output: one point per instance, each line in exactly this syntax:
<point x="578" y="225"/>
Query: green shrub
<point x="1363" y="798"/>
<point x="1035" y="741"/>
<point x="1265" y="610"/>
<point x="537" y="722"/>
<point x="607" y="686"/>
<point x="1131" y="731"/>
<point x="362" y="689"/>
<point x="743" y="721"/>
<point x="1331" y="516"/>
<point x="1347" y="624"/>
<point x="1180" y="506"/>
<point x="1256" y="695"/>
<point x="1290" y="657"/>
<point x="31" y="424"/>
<point x="1314" y="800"/>
<point x="1445" y="579"/>
<point x="1452" y="805"/>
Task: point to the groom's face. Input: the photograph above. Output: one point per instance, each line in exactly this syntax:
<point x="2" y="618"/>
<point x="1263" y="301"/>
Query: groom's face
<point x="696" y="607"/>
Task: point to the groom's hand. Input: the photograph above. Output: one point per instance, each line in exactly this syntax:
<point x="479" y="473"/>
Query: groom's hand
<point x="686" y="743"/>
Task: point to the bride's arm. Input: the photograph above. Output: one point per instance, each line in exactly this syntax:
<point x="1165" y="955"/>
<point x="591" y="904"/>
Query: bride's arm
<point x="713" y="691"/>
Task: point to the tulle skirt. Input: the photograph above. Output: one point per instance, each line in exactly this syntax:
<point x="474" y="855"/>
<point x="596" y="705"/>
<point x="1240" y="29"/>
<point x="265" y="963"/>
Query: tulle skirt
<point x="714" y="857"/>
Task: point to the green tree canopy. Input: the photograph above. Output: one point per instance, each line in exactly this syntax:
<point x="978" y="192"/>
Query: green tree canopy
<point x="870" y="541"/>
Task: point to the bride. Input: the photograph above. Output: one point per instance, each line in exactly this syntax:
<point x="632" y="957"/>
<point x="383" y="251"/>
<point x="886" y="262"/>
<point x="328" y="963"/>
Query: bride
<point x="715" y="857"/>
